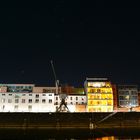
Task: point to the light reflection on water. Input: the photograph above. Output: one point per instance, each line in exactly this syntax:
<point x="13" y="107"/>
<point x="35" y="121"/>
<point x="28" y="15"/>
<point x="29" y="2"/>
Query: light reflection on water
<point x="111" y="134"/>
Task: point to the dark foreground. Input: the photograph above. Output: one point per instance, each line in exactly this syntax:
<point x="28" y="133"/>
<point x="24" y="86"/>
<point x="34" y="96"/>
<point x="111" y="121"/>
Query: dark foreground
<point x="71" y="134"/>
<point x="57" y="121"/>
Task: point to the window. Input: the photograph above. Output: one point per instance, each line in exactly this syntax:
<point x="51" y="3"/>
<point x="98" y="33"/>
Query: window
<point x="71" y="103"/>
<point x="23" y="101"/>
<point x="50" y="100"/>
<point x="3" y="100"/>
<point x="37" y="96"/>
<point x="70" y="98"/>
<point x="16" y="100"/>
<point x="30" y="94"/>
<point x="3" y="107"/>
<point x="43" y="94"/>
<point x="30" y="100"/>
<point x="23" y="94"/>
<point x="30" y="107"/>
<point x="37" y="101"/>
<point x="56" y="103"/>
<point x="43" y="101"/>
<point x="10" y="94"/>
<point x="76" y="98"/>
<point x="50" y="94"/>
<point x="16" y="107"/>
<point x="3" y="94"/>
<point x="56" y="98"/>
<point x="9" y="100"/>
<point x="76" y="103"/>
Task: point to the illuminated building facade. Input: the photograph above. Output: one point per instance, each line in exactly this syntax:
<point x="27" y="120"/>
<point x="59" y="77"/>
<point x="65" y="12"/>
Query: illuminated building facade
<point x="28" y="98"/>
<point x="99" y="95"/>
<point x="128" y="96"/>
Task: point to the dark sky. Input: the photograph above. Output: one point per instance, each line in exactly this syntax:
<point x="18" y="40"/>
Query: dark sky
<point x="96" y="39"/>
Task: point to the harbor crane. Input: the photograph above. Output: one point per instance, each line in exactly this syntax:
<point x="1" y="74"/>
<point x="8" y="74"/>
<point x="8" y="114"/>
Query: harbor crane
<point x="63" y="106"/>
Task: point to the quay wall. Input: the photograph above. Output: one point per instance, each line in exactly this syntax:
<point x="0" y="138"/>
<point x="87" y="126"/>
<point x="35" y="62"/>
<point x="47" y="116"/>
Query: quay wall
<point x="69" y="120"/>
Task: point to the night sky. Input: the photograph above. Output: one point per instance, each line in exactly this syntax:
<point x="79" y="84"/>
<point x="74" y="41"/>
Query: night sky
<point x="83" y="39"/>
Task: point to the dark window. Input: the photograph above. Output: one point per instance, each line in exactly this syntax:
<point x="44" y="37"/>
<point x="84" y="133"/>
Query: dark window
<point x="37" y="101"/>
<point x="30" y="100"/>
<point x="9" y="100"/>
<point x="30" y="107"/>
<point x="50" y="100"/>
<point x="76" y="98"/>
<point x="16" y="107"/>
<point x="16" y="100"/>
<point x="37" y="96"/>
<point x="43" y="101"/>
<point x="23" y="101"/>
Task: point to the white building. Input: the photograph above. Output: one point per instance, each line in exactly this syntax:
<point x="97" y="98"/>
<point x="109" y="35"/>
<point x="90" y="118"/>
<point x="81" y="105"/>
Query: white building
<point x="28" y="98"/>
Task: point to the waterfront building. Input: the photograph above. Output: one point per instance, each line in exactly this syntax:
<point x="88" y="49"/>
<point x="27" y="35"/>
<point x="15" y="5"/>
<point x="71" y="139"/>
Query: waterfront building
<point x="99" y="95"/>
<point x="127" y="96"/>
<point x="29" y="98"/>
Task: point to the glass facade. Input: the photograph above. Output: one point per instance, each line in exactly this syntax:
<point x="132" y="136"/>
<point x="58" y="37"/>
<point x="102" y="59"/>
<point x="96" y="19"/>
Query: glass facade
<point x="128" y="96"/>
<point x="99" y="97"/>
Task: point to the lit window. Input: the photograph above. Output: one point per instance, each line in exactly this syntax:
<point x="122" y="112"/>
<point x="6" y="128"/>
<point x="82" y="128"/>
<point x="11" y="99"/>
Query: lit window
<point x="9" y="100"/>
<point x="43" y="101"/>
<point x="16" y="100"/>
<point x="50" y="100"/>
<point x="3" y="100"/>
<point x="30" y="100"/>
<point x="23" y="101"/>
<point x="37" y="101"/>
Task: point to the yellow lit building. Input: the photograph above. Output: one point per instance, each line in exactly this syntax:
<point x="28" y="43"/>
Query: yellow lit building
<point x="99" y="95"/>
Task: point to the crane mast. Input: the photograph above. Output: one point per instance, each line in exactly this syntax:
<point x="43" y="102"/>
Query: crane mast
<point x="62" y="96"/>
<point x="56" y="81"/>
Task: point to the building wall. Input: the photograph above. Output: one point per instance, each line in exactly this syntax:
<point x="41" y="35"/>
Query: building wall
<point x="72" y="101"/>
<point x="99" y="95"/>
<point x="115" y="97"/>
<point x="45" y="90"/>
<point x="27" y="102"/>
<point x="128" y="96"/>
